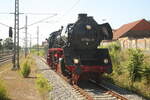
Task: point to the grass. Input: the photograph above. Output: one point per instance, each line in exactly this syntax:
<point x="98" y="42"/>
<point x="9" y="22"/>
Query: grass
<point x="122" y="80"/>
<point x="41" y="52"/>
<point x="43" y="86"/>
<point x="3" y="91"/>
<point x="121" y="73"/>
<point x="25" y="70"/>
<point x="41" y="83"/>
<point x="26" y="66"/>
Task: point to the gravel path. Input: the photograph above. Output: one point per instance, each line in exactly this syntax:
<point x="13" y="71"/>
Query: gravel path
<point x="61" y="89"/>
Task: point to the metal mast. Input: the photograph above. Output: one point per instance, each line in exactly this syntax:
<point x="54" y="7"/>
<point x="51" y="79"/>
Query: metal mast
<point x="26" y="39"/>
<point x="30" y="43"/>
<point x="16" y="35"/>
<point x="38" y="39"/>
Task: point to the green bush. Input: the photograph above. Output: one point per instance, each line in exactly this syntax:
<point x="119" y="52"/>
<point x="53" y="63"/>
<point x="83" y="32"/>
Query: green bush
<point x="131" y="69"/>
<point x="42" y="84"/>
<point x="135" y="64"/>
<point x="115" y="53"/>
<point x="25" y="70"/>
<point x="41" y="53"/>
<point x="146" y="74"/>
<point x="3" y="92"/>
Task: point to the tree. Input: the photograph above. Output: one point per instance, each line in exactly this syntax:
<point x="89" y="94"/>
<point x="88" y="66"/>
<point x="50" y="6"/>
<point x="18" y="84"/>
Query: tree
<point x="1" y="44"/>
<point x="8" y="43"/>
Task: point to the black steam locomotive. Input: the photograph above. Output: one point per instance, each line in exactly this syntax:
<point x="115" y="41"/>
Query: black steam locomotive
<point x="79" y="57"/>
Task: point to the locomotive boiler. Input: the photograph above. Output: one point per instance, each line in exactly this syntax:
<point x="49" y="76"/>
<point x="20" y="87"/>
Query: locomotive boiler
<point x="80" y="57"/>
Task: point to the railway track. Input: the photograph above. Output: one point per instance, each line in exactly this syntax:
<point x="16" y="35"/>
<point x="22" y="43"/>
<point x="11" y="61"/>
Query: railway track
<point x="99" y="91"/>
<point x="6" y="58"/>
<point x="95" y="91"/>
<point x="92" y="90"/>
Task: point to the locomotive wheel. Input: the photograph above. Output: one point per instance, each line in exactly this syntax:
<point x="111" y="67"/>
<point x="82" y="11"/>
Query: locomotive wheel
<point x="97" y="77"/>
<point x="74" y="79"/>
<point x="53" y="66"/>
<point x="62" y="65"/>
<point x="58" y="68"/>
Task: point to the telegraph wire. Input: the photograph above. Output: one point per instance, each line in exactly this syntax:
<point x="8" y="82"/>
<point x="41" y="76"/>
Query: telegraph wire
<point x="69" y="10"/>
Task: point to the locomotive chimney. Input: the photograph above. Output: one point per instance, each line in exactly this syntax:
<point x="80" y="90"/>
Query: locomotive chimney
<point x="81" y="16"/>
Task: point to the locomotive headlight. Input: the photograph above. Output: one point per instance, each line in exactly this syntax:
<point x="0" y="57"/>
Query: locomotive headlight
<point x="106" y="61"/>
<point x="88" y="27"/>
<point x="75" y="61"/>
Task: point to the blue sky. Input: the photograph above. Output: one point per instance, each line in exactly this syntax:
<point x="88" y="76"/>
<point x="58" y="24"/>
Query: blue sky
<point x="116" y="12"/>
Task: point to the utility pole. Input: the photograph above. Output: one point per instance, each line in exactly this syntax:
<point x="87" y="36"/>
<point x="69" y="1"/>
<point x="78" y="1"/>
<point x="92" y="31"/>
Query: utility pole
<point x="38" y="39"/>
<point x="17" y="31"/>
<point x="30" y="43"/>
<point x="26" y="38"/>
<point x="16" y="35"/>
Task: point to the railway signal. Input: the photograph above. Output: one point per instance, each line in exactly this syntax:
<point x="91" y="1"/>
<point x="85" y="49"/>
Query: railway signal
<point x="10" y="32"/>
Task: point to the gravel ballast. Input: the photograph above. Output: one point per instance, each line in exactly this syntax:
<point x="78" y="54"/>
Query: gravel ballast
<point x="61" y="89"/>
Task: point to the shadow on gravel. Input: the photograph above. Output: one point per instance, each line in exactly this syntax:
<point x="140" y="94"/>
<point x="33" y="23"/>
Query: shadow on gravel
<point x="43" y="69"/>
<point x="33" y="77"/>
<point x="122" y="91"/>
<point x="85" y="84"/>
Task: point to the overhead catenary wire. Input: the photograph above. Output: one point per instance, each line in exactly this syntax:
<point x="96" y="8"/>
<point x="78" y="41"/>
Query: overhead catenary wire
<point x="68" y="11"/>
<point x="53" y="15"/>
<point x="74" y="5"/>
<point x="5" y="25"/>
<point x="31" y="13"/>
<point x="39" y="21"/>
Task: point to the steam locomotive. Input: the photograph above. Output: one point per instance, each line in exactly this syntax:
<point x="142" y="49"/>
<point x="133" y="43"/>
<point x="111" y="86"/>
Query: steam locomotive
<point x="78" y="55"/>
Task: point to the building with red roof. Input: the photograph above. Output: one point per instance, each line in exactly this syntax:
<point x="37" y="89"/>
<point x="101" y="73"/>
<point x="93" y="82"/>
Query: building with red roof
<point x="137" y="29"/>
<point x="134" y="35"/>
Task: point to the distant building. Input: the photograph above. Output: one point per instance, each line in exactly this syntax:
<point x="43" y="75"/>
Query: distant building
<point x="134" y="35"/>
<point x="44" y="43"/>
